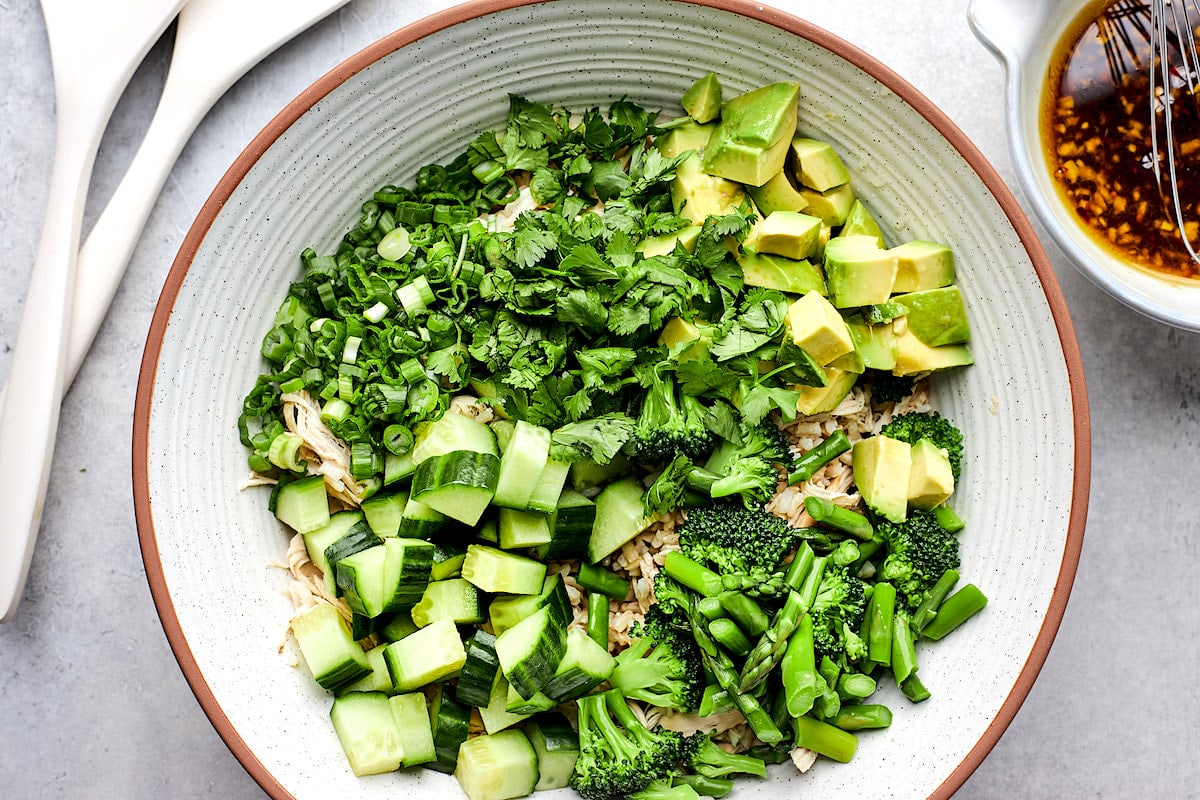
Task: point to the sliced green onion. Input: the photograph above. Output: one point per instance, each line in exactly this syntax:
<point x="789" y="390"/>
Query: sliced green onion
<point x="327" y="296"/>
<point x="411" y="213"/>
<point x="487" y="171"/>
<point x="277" y="344"/>
<point x="377" y="312"/>
<point x="416" y="295"/>
<point x="363" y="460"/>
<point x="335" y="410"/>
<point x="283" y="451"/>
<point x="345" y="387"/>
<point x="292" y="385"/>
<point x="350" y="349"/>
<point x="398" y="439"/>
<point x="395" y="244"/>
<point x="412" y="370"/>
<point x="317" y="323"/>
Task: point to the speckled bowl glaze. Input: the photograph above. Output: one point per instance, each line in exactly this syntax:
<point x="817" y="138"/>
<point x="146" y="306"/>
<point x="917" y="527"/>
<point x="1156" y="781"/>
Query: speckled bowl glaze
<point x="1024" y="35"/>
<point x="418" y="96"/>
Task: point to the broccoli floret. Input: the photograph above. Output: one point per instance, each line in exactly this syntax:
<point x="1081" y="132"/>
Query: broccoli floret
<point x="919" y="550"/>
<point x="662" y="666"/>
<point x="837" y="614"/>
<point x="889" y="388"/>
<point x="664" y="789"/>
<point x="916" y="425"/>
<point x="733" y="538"/>
<point x="765" y="440"/>
<point x="618" y="755"/>
<point x="753" y="480"/>
<point x="704" y="757"/>
<point x="668" y="424"/>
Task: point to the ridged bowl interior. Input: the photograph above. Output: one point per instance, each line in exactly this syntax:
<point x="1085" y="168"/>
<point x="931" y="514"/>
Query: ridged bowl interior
<point x="212" y="549"/>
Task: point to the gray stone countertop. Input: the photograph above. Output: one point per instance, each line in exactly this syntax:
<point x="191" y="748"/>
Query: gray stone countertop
<point x="92" y="702"/>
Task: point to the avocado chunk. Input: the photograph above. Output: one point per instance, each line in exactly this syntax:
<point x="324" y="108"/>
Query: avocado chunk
<point x="777" y="194"/>
<point x="818" y="166"/>
<point x="785" y="233"/>
<point x="858" y="271"/>
<point x="750" y="144"/>
<point x="832" y="206"/>
<point x="850" y="362"/>
<point x="823" y="399"/>
<point x="812" y="323"/>
<point x="882" y="467"/>
<point x="779" y="273"/>
<point x="687" y="136"/>
<point x="914" y="357"/>
<point x="937" y="316"/>
<point x="800" y="366"/>
<point x="696" y="195"/>
<point x="931" y="481"/>
<point x="686" y="339"/>
<point x="859" y="222"/>
<point x="923" y="265"/>
<point x="702" y="101"/>
<point x="665" y="244"/>
<point x="875" y="345"/>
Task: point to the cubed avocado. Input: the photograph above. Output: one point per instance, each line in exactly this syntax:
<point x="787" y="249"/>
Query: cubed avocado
<point x="686" y="339"/>
<point x="923" y="265"/>
<point x="937" y="316"/>
<point x="859" y="222"/>
<point x="823" y="399"/>
<point x="785" y="233"/>
<point x="750" y="144"/>
<point x="832" y="206"/>
<point x="779" y="273"/>
<point x="800" y="366"/>
<point x="857" y="271"/>
<point x="882" y="466"/>
<point x="850" y="362"/>
<point x="777" y="194"/>
<point x="696" y="195"/>
<point x="930" y="481"/>
<point x="818" y="166"/>
<point x="874" y="344"/>
<point x="702" y="101"/>
<point x="686" y="136"/>
<point x="813" y="324"/>
<point x="914" y="357"/>
<point x="665" y="244"/>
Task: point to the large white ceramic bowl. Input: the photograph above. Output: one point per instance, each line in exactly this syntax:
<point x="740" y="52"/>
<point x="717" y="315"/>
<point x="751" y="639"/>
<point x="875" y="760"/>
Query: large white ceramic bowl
<point x="418" y="96"/>
<point x="1024" y="35"/>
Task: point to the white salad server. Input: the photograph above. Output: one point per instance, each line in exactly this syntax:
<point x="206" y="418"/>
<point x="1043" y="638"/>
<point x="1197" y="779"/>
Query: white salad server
<point x="94" y="49"/>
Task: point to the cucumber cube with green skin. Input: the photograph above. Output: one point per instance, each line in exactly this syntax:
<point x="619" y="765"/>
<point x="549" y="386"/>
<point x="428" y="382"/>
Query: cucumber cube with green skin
<point x="367" y="731"/>
<point x="495" y="715"/>
<point x="530" y="651"/>
<point x="425" y="656"/>
<point x="450" y="432"/>
<point x="416" y="733"/>
<point x="525" y="455"/>
<point x="379" y="679"/>
<point x="303" y="504"/>
<point x="333" y="657"/>
<point x="497" y="766"/>
<point x="522" y="529"/>
<point x="495" y="570"/>
<point x="549" y="486"/>
<point x="584" y="666"/>
<point x="384" y="512"/>
<point x="454" y="599"/>
<point x="460" y="484"/>
<point x="620" y="516"/>
<point x="557" y="746"/>
<point x="316" y="541"/>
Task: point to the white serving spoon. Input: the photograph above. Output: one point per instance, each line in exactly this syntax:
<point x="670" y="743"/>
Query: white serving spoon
<point x="94" y="48"/>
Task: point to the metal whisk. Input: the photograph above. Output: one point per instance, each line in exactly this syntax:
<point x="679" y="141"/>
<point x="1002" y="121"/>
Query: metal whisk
<point x="1171" y="29"/>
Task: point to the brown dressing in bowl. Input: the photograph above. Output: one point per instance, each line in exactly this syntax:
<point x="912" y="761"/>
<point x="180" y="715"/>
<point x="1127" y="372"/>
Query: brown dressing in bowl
<point x="1097" y="134"/>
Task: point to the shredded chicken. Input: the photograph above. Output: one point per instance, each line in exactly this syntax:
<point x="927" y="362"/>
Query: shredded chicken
<point x="325" y="453"/>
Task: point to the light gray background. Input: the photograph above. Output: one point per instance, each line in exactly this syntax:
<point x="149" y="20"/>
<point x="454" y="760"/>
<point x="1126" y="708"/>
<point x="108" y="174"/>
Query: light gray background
<point x="92" y="702"/>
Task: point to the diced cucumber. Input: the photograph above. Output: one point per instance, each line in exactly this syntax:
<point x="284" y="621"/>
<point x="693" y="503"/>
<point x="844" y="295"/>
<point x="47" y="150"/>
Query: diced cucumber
<point x="361" y="579"/>
<point x="397" y="467"/>
<point x="450" y="432"/>
<point x="488" y="531"/>
<point x="620" y="516"/>
<point x="409" y="565"/>
<point x="335" y="659"/>
<point x="495" y="715"/>
<point x="378" y="679"/>
<point x="315" y="542"/>
<point x="358" y="537"/>
<point x="557" y="746"/>
<point x="303" y="504"/>
<point x="454" y="599"/>
<point x="529" y="652"/>
<point x="515" y="704"/>
<point x="451" y="723"/>
<point x="523" y="529"/>
<point x="494" y="570"/>
<point x="384" y="512"/>
<point x="549" y="486"/>
<point x="588" y="474"/>
<point x="459" y="484"/>
<point x="448" y="559"/>
<point x="507" y="610"/>
<point x="424" y="656"/>
<point x="497" y="766"/>
<point x="416" y="733"/>
<point x="367" y="730"/>
<point x="525" y="455"/>
<point x="478" y="673"/>
<point x="419" y="521"/>
<point x="397" y="626"/>
<point x="570" y="527"/>
<point x="362" y="626"/>
<point x="584" y="666"/>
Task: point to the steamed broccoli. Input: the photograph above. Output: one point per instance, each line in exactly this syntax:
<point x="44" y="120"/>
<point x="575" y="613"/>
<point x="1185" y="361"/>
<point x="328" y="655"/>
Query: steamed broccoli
<point x="752" y="479"/>
<point x="703" y="757"/>
<point x="665" y="789"/>
<point x="668" y="424"/>
<point x="662" y="666"/>
<point x="670" y="595"/>
<point x="764" y="440"/>
<point x="618" y="755"/>
<point x="889" y="388"/>
<point x="919" y="550"/>
<point x="837" y="614"/>
<point x="733" y="538"/>
<point x="915" y="425"/>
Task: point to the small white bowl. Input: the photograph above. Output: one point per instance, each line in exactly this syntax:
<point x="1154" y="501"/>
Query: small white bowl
<point x="1025" y="35"/>
<point x="419" y="96"/>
